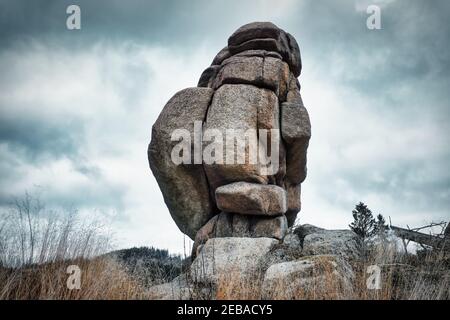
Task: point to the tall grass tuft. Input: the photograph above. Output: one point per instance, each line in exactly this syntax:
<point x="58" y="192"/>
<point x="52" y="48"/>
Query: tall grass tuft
<point x="38" y="244"/>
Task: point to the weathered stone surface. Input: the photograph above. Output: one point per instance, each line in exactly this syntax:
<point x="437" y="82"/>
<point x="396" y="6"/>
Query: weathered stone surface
<point x="180" y="288"/>
<point x="184" y="187"/>
<point x="292" y="241"/>
<point x="295" y="124"/>
<point x="222" y="55"/>
<point x="293" y="94"/>
<point x="259" y="53"/>
<point x="259" y="226"/>
<point x="280" y="176"/>
<point x="254" y="30"/>
<point x="303" y="230"/>
<point x="251" y="198"/>
<point x="261" y="71"/>
<point x="296" y="132"/>
<point x="267" y="36"/>
<point x="266" y="44"/>
<point x="228" y="224"/>
<point x="344" y="243"/>
<point x="207" y="77"/>
<point x="224" y="225"/>
<point x="204" y="234"/>
<point x="241" y="225"/>
<point x="177" y="289"/>
<point x="319" y="241"/>
<point x="295" y="61"/>
<point x="293" y="202"/>
<point x="229" y="255"/>
<point x="275" y="227"/>
<point x="276" y="76"/>
<point x="269" y="113"/>
<point x="307" y="277"/>
<point x="280" y="253"/>
<point x="240" y="70"/>
<point x="239" y="107"/>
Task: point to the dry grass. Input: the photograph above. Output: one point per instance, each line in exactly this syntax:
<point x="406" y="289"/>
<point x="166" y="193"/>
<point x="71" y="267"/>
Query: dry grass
<point x="37" y="245"/>
<point x="425" y="276"/>
<point x="101" y="278"/>
<point x="235" y="286"/>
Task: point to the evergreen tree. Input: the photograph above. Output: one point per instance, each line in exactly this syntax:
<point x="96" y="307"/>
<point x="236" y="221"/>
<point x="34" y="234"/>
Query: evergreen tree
<point x="380" y="226"/>
<point x="363" y="222"/>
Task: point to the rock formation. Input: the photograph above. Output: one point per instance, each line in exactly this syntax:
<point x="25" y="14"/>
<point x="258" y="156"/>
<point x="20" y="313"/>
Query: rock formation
<point x="308" y="262"/>
<point x="250" y="85"/>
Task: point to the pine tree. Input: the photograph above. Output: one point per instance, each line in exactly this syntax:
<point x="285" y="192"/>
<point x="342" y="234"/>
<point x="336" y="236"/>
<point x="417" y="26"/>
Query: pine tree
<point x="364" y="223"/>
<point x="380" y="226"/>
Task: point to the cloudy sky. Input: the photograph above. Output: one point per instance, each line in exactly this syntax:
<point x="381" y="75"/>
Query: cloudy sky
<point x="77" y="106"/>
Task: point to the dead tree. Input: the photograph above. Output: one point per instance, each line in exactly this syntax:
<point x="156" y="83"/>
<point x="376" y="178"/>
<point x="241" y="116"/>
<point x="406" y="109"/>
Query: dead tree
<point x="438" y="242"/>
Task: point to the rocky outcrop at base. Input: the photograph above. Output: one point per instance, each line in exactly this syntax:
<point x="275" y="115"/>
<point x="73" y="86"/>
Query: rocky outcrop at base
<point x="308" y="262"/>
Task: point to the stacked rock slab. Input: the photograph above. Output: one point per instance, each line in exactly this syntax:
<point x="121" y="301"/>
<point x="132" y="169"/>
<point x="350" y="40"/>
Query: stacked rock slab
<point x="251" y="84"/>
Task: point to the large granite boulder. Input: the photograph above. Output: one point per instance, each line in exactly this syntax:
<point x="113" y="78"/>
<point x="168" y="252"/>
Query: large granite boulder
<point x="254" y="30"/>
<point x="222" y="256"/>
<point x="296" y="132"/>
<point x="251" y="198"/>
<point x="241" y="108"/>
<point x="184" y="186"/>
<point x="316" y="241"/>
